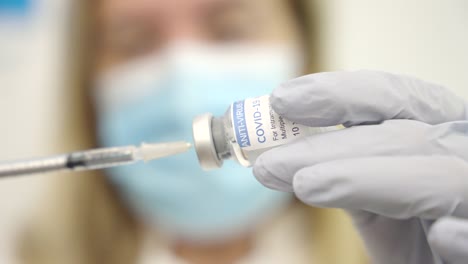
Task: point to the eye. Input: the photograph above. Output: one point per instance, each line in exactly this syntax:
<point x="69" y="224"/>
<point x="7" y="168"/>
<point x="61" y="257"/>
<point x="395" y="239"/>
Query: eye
<point x="123" y="42"/>
<point x="231" y="26"/>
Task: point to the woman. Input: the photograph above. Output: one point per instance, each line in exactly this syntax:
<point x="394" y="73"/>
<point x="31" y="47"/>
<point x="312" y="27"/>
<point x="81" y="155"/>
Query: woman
<point x="151" y="66"/>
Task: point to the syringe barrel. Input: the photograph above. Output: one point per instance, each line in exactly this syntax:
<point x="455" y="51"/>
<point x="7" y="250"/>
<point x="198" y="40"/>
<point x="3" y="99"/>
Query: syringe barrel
<point x="80" y="160"/>
<point x="101" y="158"/>
<point x="31" y="166"/>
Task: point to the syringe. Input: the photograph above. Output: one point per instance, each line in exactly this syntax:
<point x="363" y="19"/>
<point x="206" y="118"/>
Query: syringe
<point x="93" y="159"/>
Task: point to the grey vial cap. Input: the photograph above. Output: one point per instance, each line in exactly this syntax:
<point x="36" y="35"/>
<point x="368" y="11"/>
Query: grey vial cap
<point x="204" y="142"/>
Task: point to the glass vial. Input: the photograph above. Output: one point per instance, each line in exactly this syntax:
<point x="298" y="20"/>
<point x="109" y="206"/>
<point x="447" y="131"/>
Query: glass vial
<point x="247" y="129"/>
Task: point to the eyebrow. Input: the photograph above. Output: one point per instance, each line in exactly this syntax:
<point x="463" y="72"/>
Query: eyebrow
<point x="233" y="7"/>
<point x="225" y="6"/>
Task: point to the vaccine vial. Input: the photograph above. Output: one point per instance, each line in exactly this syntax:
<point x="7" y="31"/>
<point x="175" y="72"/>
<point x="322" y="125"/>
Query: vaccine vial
<point x="247" y="129"/>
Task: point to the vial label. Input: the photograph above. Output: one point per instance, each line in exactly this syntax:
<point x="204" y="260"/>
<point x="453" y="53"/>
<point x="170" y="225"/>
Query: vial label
<point x="258" y="126"/>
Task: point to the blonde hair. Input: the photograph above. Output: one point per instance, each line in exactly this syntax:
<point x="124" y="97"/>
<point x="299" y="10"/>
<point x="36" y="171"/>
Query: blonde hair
<point x="84" y="221"/>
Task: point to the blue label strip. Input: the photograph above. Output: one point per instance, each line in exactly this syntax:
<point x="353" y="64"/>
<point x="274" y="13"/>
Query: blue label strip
<point x="240" y="127"/>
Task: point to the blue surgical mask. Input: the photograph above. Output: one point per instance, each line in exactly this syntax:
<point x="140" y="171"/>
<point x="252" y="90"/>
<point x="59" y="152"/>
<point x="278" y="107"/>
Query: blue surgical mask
<point x="155" y="100"/>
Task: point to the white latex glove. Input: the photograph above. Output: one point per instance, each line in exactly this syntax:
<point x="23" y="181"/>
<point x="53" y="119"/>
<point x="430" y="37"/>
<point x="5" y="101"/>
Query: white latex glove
<point x="387" y="174"/>
<point x="449" y="238"/>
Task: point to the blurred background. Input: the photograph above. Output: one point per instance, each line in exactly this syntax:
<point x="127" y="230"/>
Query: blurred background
<point x="426" y="39"/>
<point x="32" y="59"/>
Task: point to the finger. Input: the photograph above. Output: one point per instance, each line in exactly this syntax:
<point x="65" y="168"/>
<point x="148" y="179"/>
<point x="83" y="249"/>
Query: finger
<point x="364" y="97"/>
<point x="384" y="236"/>
<point x="277" y="167"/>
<point x="449" y="237"/>
<point x="269" y="178"/>
<point x="397" y="187"/>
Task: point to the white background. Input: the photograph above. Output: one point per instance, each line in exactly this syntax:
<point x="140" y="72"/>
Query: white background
<point x="423" y="38"/>
<point x="31" y="76"/>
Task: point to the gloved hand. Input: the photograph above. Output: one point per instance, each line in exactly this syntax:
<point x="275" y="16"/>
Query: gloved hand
<point x="449" y="238"/>
<point x="388" y="174"/>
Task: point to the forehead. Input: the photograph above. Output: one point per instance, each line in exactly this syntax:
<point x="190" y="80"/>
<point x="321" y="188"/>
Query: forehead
<point x="160" y="8"/>
<point x="164" y="10"/>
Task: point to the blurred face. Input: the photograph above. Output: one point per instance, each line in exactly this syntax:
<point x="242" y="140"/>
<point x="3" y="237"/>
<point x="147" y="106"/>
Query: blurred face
<point x="131" y="29"/>
<point x="160" y="63"/>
